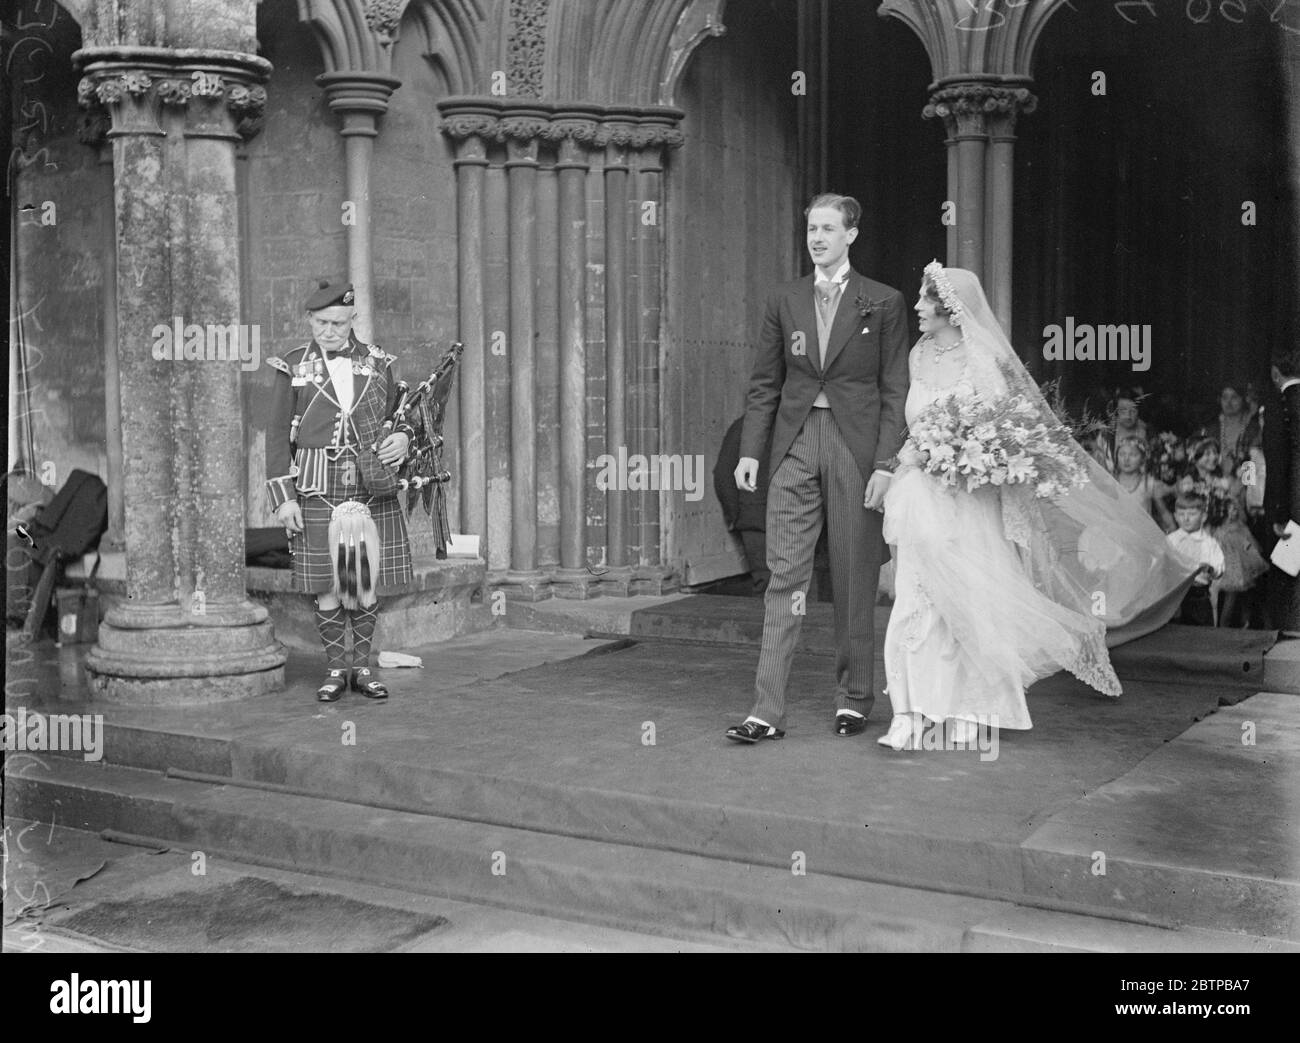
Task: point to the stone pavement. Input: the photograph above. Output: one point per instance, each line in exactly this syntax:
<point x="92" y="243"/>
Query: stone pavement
<point x="590" y="780"/>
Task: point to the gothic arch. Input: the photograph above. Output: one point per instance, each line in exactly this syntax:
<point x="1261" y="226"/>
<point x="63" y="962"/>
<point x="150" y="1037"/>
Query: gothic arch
<point x="638" y="51"/>
<point x="354" y="35"/>
<point x="994" y="42"/>
<point x="451" y="35"/>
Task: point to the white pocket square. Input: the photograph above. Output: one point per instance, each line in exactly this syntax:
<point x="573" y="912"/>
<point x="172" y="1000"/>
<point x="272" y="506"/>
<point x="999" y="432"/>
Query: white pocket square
<point x="866" y="329"/>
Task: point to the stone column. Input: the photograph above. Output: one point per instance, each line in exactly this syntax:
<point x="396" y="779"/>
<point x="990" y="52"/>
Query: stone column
<point x="360" y="98"/>
<point x="657" y="130"/>
<point x="187" y="631"/>
<point x="617" y="135"/>
<point x="960" y="106"/>
<point x="574" y="130"/>
<point x="471" y="125"/>
<point x="496" y="377"/>
<point x="1002" y="107"/>
<point x="521" y="128"/>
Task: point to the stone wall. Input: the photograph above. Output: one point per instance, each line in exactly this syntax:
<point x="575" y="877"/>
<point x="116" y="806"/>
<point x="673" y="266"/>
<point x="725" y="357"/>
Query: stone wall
<point x="60" y="239"/>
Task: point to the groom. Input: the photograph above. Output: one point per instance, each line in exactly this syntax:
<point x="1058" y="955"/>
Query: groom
<point x="828" y="386"/>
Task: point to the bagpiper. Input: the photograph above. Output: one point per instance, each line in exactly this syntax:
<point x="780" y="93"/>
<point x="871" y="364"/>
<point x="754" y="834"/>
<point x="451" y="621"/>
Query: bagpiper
<point x="333" y="482"/>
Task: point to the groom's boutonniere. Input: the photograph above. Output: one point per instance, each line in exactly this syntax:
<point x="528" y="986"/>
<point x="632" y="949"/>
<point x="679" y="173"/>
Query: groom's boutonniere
<point x="865" y="307"/>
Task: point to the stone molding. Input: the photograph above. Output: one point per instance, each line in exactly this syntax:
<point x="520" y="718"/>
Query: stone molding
<point x="526" y="43"/>
<point x="595" y="127"/>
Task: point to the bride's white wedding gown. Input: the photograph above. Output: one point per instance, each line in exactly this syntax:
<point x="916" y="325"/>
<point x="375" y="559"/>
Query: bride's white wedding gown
<point x="969" y="631"/>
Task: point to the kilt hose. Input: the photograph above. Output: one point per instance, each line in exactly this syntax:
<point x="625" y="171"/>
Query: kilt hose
<point x="312" y="570"/>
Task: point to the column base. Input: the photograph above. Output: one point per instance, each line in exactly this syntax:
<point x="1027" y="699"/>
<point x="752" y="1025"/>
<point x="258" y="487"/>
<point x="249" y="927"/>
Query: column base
<point x="180" y="666"/>
<point x="616" y="581"/>
<point x="532" y="585"/>
<point x="575" y="584"/>
<point x="654" y="579"/>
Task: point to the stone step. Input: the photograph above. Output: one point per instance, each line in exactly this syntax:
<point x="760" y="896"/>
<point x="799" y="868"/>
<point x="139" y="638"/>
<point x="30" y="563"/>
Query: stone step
<point x="1038" y="930"/>
<point x="1051" y="869"/>
<point x="595" y="881"/>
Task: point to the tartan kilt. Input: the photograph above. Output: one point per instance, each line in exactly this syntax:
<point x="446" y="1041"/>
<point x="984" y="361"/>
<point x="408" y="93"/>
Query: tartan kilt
<point x="312" y="569"/>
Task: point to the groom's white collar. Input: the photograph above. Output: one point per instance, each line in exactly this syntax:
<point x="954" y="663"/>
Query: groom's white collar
<point x="841" y="275"/>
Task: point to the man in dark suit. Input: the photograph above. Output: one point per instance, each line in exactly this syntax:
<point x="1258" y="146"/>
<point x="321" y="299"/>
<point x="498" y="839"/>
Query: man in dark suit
<point x="828" y="387"/>
<point x="1279" y="438"/>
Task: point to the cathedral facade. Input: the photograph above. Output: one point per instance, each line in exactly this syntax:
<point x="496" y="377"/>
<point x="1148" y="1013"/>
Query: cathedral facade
<point x="594" y="197"/>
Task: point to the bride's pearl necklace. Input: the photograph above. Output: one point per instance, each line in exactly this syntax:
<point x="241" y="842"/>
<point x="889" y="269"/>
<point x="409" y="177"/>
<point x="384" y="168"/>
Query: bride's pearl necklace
<point x="940" y="350"/>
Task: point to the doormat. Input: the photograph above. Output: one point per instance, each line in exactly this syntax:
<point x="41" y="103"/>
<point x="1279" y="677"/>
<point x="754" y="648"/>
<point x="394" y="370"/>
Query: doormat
<point x="251" y="915"/>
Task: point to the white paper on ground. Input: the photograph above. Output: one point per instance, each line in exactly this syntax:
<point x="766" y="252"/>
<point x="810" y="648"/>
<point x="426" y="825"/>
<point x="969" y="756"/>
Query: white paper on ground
<point x="1286" y="554"/>
<point x="463" y="545"/>
<point x="388" y="659"/>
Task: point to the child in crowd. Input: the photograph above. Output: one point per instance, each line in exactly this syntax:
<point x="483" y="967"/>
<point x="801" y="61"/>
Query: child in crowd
<point x="1146" y="489"/>
<point x="1243" y="562"/>
<point x="1196" y="545"/>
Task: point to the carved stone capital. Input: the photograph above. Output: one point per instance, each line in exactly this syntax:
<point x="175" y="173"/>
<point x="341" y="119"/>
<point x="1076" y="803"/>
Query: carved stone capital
<point x="658" y="127"/>
<point x="968" y="109"/>
<point x="521" y="128"/>
<point x="582" y="131"/>
<point x="124" y="95"/>
<point x="174" y="92"/>
<point x="469" y="125"/>
<point x="247" y="103"/>
<point x="219" y="91"/>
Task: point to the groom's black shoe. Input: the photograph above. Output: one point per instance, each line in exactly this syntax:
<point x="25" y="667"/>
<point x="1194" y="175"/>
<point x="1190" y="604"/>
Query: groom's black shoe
<point x="752" y="731"/>
<point x="849" y="724"/>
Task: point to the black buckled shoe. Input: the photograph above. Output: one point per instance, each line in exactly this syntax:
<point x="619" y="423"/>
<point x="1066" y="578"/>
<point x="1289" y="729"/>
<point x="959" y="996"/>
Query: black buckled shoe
<point x="365" y="684"/>
<point x="849" y="724"/>
<point x="752" y="732"/>
<point x="336" y="683"/>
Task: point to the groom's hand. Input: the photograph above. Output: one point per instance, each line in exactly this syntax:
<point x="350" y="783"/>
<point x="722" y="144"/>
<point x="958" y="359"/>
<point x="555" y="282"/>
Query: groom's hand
<point x="747" y="474"/>
<point x="877" y="486"/>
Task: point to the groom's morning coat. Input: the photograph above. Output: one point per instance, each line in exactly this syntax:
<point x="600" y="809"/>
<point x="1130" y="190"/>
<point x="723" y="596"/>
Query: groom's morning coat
<point x="865" y="376"/>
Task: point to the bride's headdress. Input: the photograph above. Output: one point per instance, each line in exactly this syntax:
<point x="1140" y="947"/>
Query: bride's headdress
<point x="1091" y="547"/>
<point x="934" y="271"/>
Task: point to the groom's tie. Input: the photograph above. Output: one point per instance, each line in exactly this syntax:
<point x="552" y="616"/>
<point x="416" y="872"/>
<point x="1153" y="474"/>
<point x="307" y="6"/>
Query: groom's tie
<point x="828" y="295"/>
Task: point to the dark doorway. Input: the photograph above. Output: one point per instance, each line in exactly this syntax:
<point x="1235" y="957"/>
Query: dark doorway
<point x="1129" y="205"/>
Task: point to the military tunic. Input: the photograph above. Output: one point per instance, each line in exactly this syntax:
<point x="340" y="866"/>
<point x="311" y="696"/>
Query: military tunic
<point x="312" y="446"/>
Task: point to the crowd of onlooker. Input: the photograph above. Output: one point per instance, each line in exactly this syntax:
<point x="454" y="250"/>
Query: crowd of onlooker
<point x="1204" y="486"/>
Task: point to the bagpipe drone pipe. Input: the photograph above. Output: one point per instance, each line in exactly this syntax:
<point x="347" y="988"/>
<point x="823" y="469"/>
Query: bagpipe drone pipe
<point x="423" y="476"/>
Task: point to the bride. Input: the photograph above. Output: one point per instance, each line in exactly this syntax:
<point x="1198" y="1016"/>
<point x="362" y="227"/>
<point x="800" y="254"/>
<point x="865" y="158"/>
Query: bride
<point x="998" y="587"/>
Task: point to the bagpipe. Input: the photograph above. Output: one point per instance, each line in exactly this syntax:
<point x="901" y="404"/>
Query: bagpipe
<point x="354" y="539"/>
<point x="423" y="476"/>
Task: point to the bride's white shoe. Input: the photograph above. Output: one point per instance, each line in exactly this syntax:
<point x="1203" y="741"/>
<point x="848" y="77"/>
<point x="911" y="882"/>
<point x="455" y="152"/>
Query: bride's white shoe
<point x="903" y="732"/>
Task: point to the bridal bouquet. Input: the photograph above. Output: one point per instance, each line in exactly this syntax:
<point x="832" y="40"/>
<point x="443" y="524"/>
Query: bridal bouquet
<point x="967" y="442"/>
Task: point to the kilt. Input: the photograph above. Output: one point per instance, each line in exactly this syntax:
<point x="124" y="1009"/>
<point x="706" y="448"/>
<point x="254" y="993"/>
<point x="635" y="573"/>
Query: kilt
<point x="312" y="569"/>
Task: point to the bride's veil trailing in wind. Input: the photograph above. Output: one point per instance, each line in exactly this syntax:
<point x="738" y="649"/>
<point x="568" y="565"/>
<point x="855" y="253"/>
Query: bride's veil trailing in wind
<point x="1090" y="548"/>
